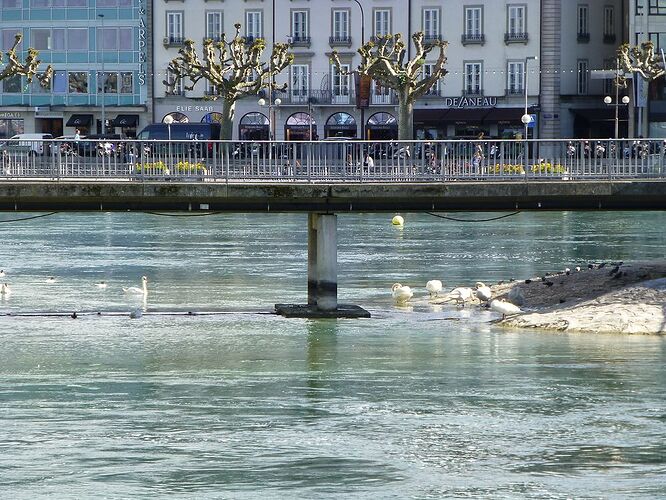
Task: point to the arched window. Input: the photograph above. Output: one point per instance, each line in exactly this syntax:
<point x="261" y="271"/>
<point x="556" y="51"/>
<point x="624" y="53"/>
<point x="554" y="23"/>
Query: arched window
<point x="340" y="125"/>
<point x="213" y="117"/>
<point x="381" y="127"/>
<point x="253" y="127"/>
<point x="300" y="127"/>
<point x="177" y="117"/>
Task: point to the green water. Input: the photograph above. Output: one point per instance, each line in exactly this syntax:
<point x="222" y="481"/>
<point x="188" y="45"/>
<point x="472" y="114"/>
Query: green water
<point x="417" y="402"/>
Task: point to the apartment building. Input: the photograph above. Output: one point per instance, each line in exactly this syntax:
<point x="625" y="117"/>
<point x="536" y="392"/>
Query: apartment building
<point x="99" y="50"/>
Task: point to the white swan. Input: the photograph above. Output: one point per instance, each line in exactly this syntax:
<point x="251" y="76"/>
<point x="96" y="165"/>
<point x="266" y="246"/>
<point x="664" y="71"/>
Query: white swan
<point x="461" y="295"/>
<point x="138" y="291"/>
<point x="483" y="292"/>
<point x="401" y="294"/>
<point x="434" y="287"/>
<point x="4" y="289"/>
<point x="101" y="284"/>
<point x="2" y="273"/>
<point x="504" y="307"/>
<point x="51" y="279"/>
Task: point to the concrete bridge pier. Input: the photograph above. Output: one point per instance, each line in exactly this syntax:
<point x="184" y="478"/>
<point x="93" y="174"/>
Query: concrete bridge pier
<point x="322" y="274"/>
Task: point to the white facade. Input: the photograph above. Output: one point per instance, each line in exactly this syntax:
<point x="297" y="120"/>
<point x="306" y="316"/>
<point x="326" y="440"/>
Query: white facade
<point x="491" y="42"/>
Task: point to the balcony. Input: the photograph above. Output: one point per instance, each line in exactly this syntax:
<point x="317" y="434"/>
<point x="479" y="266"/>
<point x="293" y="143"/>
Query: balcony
<point x="383" y="98"/>
<point x="583" y="38"/>
<point x="340" y="41"/>
<point x="299" y="41"/>
<point x="515" y="91"/>
<point x="609" y="38"/>
<point x="211" y="92"/>
<point x="214" y="39"/>
<point x="250" y="39"/>
<point x="173" y="41"/>
<point x="433" y="93"/>
<point x="515" y="38"/>
<point x="472" y="92"/>
<point x="473" y="38"/>
<point x="315" y="97"/>
<point x="431" y="38"/>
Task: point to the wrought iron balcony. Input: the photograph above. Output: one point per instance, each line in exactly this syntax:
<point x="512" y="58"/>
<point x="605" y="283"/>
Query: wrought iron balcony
<point x="173" y="41"/>
<point x="214" y="39"/>
<point x="431" y="38"/>
<point x="515" y="38"/>
<point x="315" y="97"/>
<point x="470" y="38"/>
<point x="583" y="37"/>
<point x="299" y="41"/>
<point x="515" y="91"/>
<point x="250" y="39"/>
<point x="340" y="41"/>
<point x="609" y="38"/>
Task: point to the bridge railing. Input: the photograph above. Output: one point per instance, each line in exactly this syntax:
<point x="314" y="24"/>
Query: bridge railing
<point x="337" y="160"/>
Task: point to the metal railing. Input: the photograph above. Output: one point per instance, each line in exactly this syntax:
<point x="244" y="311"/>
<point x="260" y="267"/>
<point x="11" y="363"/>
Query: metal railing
<point x="332" y="160"/>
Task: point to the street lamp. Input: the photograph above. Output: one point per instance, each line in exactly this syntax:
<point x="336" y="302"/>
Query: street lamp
<point x="625" y="100"/>
<point x="271" y="112"/>
<point x="101" y="16"/>
<point x="362" y="42"/>
<point x="526" y="117"/>
<point x="168" y="119"/>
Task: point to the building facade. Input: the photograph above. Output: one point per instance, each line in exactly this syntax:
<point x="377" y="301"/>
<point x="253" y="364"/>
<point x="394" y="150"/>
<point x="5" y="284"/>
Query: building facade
<point x="99" y="51"/>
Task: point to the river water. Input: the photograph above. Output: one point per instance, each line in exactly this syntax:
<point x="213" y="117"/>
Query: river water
<point x="416" y="402"/>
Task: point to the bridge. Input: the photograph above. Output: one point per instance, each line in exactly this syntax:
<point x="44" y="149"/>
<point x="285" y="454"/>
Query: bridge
<point x="329" y="177"/>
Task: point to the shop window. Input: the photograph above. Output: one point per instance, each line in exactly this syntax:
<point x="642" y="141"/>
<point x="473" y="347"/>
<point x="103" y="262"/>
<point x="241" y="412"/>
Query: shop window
<point x="9" y="128"/>
<point x="60" y="83"/>
<point x="12" y="85"/>
<point x="126" y="83"/>
<point x="110" y="81"/>
<point x="78" y="82"/>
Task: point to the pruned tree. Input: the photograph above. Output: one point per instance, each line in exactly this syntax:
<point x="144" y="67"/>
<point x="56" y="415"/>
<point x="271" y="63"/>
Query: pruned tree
<point x="29" y="68"/>
<point x="641" y="59"/>
<point x="384" y="60"/>
<point x="232" y="68"/>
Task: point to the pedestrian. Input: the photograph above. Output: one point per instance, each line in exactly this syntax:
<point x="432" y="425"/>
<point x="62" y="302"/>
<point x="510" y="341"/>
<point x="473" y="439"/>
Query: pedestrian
<point x="369" y="161"/>
<point x="77" y="135"/>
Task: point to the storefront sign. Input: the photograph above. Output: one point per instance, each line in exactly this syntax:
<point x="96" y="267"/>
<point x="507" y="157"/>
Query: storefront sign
<point x="189" y="109"/>
<point x="470" y="102"/>
<point x="143" y="46"/>
<point x="10" y="114"/>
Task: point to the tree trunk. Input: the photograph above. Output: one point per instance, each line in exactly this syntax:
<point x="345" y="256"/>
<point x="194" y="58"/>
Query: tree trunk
<point x="227" y="123"/>
<point x="405" y="117"/>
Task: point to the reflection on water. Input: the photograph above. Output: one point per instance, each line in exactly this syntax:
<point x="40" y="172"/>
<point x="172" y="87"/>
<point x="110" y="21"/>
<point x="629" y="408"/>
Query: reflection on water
<point x="425" y="401"/>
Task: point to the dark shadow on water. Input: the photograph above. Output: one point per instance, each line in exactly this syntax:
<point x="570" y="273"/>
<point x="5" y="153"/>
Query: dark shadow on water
<point x="321" y="357"/>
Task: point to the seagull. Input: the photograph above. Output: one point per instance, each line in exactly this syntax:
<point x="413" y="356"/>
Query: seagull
<point x="51" y="279"/>
<point x="101" y="284"/>
<point x="4" y="289"/>
<point x="401" y="294"/>
<point x="483" y="292"/>
<point x="138" y="291"/>
<point x="516" y="296"/>
<point x="504" y="307"/>
<point x="461" y="295"/>
<point x="434" y="287"/>
<point x="74" y="315"/>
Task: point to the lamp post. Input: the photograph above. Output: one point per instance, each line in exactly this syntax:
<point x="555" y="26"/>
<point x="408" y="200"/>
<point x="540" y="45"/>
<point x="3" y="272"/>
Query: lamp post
<point x="271" y="112"/>
<point x="362" y="42"/>
<point x="526" y="117"/>
<point x="625" y="100"/>
<point x="168" y="119"/>
<point x="101" y="16"/>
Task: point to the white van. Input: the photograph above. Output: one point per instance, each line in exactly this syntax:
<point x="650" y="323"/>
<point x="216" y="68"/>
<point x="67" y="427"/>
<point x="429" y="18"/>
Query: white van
<point x="31" y="143"/>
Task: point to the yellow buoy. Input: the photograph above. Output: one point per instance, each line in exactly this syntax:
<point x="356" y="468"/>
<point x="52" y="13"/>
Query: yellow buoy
<point x="398" y="221"/>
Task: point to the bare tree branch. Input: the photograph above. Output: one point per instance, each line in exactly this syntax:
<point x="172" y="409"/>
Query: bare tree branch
<point x="14" y="67"/>
<point x="640" y="59"/>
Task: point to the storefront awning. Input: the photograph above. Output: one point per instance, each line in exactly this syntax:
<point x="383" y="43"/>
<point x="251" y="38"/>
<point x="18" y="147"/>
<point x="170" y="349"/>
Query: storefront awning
<point x="466" y="114"/>
<point x="126" y="121"/>
<point x="507" y="114"/>
<point x="79" y="120"/>
<point x="601" y="114"/>
<point x="429" y="115"/>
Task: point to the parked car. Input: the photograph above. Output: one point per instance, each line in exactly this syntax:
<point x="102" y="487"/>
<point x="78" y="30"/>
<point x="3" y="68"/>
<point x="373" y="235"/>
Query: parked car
<point x="33" y="144"/>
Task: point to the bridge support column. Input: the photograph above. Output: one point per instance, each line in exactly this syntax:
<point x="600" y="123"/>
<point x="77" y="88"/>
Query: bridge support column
<point x="322" y="274"/>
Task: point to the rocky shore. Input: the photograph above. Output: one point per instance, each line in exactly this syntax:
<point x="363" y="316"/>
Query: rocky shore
<point x="612" y="298"/>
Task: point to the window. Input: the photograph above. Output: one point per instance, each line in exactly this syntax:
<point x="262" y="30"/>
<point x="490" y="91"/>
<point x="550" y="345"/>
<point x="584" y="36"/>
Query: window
<point x="253" y="25"/>
<point x="110" y="82"/>
<point x="656" y="7"/>
<point x="299" y="25"/>
<point x="115" y="39"/>
<point x="340" y="25"/>
<point x="659" y="41"/>
<point x="428" y="69"/>
<point x="12" y="85"/>
<point x="583" y="23"/>
<point x="472" y="78"/>
<point x="178" y="88"/>
<point x="431" y="24"/>
<point x="56" y="3"/>
<point x="299" y="82"/>
<point x="10" y="4"/>
<point x="174" y="27"/>
<point x="516" y="20"/>
<point x="609" y="64"/>
<point x="609" y="24"/>
<point x="515" y="74"/>
<point x="78" y="82"/>
<point x="114" y="3"/>
<point x="382" y="22"/>
<point x="214" y="26"/>
<point x="8" y="38"/>
<point x="211" y="89"/>
<point x="473" y="26"/>
<point x="582" y="77"/>
<point x="77" y="39"/>
<point x="60" y="84"/>
<point x="340" y="84"/>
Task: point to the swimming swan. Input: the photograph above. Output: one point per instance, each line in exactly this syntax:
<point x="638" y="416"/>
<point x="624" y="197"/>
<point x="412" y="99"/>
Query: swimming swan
<point x="138" y="291"/>
<point x="401" y="294"/>
<point x="4" y="289"/>
<point x="434" y="287"/>
<point x="51" y="279"/>
<point x="504" y="307"/>
<point x="101" y="284"/>
<point x="483" y="292"/>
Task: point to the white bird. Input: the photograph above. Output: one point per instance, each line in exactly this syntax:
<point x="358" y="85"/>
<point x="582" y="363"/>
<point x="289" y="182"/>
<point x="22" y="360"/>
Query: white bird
<point x="4" y="289"/>
<point x="2" y="273"/>
<point x="516" y="296"/>
<point x="51" y="279"/>
<point x="434" y="287"/>
<point x="101" y="284"/>
<point x="483" y="292"/>
<point x="577" y="269"/>
<point x="504" y="307"/>
<point x="461" y="295"/>
<point x="136" y="313"/>
<point x="138" y="291"/>
<point x="401" y="294"/>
